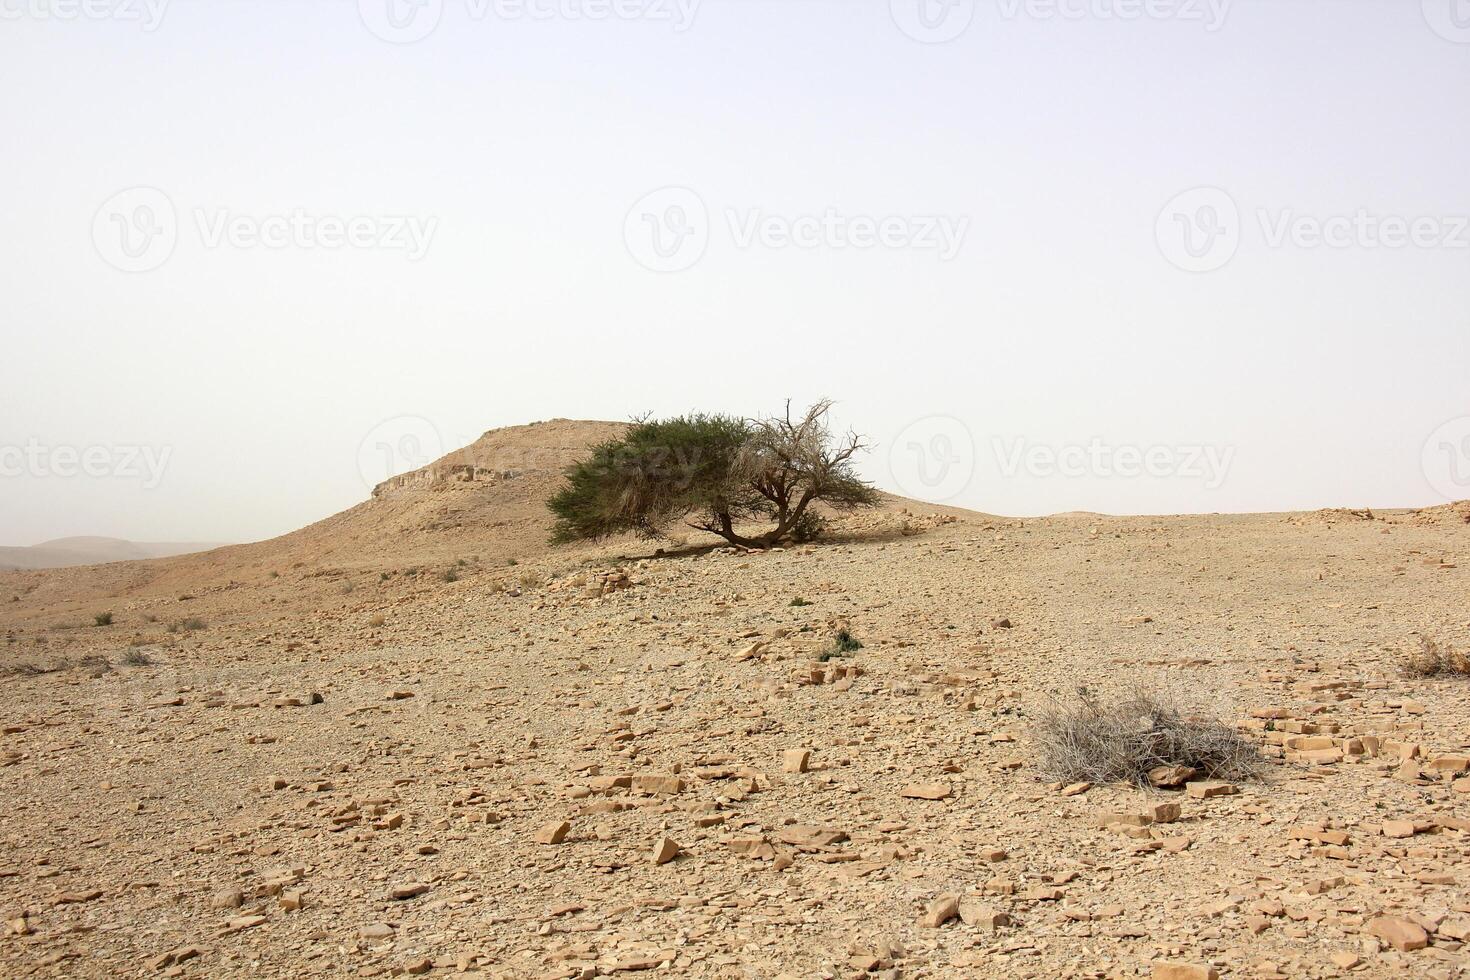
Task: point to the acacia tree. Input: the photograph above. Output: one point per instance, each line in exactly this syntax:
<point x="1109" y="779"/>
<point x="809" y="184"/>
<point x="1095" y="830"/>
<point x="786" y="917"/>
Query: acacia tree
<point x="714" y="472"/>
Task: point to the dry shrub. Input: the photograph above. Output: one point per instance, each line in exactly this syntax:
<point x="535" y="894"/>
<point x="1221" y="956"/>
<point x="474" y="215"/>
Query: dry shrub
<point x="1433" y="660"/>
<point x="25" y="669"/>
<point x="136" y="658"/>
<point x="377" y="621"/>
<point x="529" y="580"/>
<point x="1087" y="741"/>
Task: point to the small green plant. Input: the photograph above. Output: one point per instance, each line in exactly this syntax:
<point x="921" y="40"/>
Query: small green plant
<point x="843" y="643"/>
<point x="103" y="619"/>
<point x="449" y="575"/>
<point x="512" y="562"/>
<point x="799" y="601"/>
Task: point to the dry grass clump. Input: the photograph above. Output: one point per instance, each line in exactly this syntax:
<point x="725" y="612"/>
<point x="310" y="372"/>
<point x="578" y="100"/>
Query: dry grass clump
<point x="1087" y="741"/>
<point x="188" y="625"/>
<point x="1433" y="660"/>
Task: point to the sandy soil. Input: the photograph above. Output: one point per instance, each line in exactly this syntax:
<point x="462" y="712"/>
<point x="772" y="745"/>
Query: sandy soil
<point x="346" y="751"/>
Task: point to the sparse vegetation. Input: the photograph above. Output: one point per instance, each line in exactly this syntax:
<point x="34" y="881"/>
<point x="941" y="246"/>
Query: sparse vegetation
<point x="25" y="669"/>
<point x="103" y="619"/>
<point x="799" y="601"/>
<point x="1431" y="659"/>
<point x="449" y="575"/>
<point x="714" y="472"/>
<point x="187" y="625"/>
<point x="1087" y="741"/>
<point x="529" y="580"/>
<point x="134" y="657"/>
<point x="377" y="621"/>
<point x="843" y="643"/>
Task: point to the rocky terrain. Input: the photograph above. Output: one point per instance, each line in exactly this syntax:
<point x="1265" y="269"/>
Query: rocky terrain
<point x="414" y="738"/>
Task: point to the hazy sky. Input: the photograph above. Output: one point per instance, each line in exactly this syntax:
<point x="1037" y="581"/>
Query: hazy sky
<point x="1133" y="256"/>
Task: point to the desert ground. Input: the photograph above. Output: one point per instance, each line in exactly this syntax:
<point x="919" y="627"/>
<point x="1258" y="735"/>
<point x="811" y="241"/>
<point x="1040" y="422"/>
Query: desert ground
<point x="416" y="738"/>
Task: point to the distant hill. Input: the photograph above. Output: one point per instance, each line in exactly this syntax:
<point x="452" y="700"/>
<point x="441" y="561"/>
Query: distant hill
<point x="65" y="552"/>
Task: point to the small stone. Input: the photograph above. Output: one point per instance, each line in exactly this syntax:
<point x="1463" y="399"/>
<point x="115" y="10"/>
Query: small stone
<point x="940" y="911"/>
<point x="1165" y="812"/>
<point x="376" y="930"/>
<point x="76" y="898"/>
<point x="1076" y="789"/>
<point x="244" y="922"/>
<point x="926" y="791"/>
<point x="1345" y="960"/>
<point x="1170" y="776"/>
<point x="796" y="760"/>
<point x="413" y="889"/>
<point x="1183" y="971"/>
<point x="554" y="832"/>
<point x="973" y="913"/>
<point x="665" y="850"/>
<point x="1401" y="934"/>
<point x="1210" y="790"/>
<point x="227" y="898"/>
